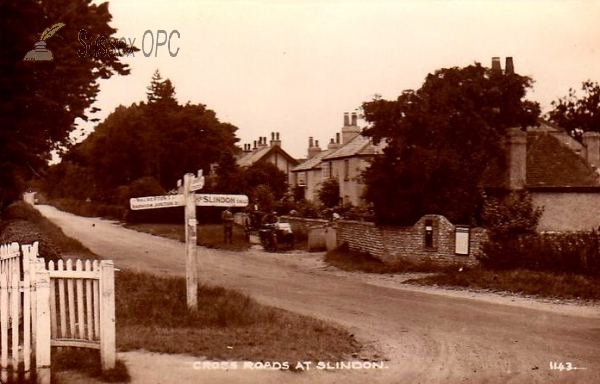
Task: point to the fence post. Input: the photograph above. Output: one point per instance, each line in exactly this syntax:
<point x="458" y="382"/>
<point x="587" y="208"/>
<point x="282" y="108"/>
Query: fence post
<point x="107" y="315"/>
<point x="42" y="341"/>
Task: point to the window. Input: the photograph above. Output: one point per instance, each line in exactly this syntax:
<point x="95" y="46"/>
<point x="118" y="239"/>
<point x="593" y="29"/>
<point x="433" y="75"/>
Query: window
<point x="346" y="169"/>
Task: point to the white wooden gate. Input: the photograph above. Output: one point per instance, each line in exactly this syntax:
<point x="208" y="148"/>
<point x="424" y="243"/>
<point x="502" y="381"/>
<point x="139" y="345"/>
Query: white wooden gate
<point x="57" y="306"/>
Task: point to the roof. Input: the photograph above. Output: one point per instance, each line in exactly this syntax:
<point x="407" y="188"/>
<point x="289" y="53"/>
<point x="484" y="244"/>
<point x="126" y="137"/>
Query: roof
<point x="314" y="162"/>
<point x="359" y="146"/>
<point x="254" y="156"/>
<point x="552" y="162"/>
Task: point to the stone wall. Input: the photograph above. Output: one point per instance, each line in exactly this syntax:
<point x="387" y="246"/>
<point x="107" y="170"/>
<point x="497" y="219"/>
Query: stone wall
<point x="394" y="244"/>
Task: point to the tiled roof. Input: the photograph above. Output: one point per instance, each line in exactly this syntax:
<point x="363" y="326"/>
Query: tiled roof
<point x="359" y="146"/>
<point x="252" y="157"/>
<point x="314" y="162"/>
<point x="551" y="163"/>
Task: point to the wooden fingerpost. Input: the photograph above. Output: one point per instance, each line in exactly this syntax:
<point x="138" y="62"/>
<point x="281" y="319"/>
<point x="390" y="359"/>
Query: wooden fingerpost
<point x="191" y="267"/>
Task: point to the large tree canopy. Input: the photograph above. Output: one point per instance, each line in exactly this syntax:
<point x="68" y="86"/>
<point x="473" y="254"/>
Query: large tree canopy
<point x="578" y="114"/>
<point x="40" y="100"/>
<point x="440" y="139"/>
<point x="160" y="139"/>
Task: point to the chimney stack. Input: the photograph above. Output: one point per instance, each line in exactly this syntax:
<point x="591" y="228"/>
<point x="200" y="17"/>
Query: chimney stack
<point x="496" y="66"/>
<point x="349" y="132"/>
<point x="510" y="68"/>
<point x="346" y="119"/>
<point x="313" y="147"/>
<point x="333" y="144"/>
<point x="275" y="139"/>
<point x="591" y="142"/>
<point x="517" y="158"/>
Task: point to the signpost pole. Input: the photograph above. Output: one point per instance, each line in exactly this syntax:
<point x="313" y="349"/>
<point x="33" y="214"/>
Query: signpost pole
<point x="191" y="266"/>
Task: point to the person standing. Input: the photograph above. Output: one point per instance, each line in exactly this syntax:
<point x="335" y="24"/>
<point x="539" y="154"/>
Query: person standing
<point x="227" y="218"/>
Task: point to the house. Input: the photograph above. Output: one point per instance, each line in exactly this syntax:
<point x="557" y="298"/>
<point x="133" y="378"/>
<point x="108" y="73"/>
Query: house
<point x="272" y="152"/>
<point x="560" y="174"/>
<point x="344" y="159"/>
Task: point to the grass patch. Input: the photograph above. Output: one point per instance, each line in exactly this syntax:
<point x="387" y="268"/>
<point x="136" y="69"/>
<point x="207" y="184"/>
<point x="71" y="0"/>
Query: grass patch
<point x="347" y="260"/>
<point x="520" y="281"/>
<point x="152" y="314"/>
<point x="209" y="235"/>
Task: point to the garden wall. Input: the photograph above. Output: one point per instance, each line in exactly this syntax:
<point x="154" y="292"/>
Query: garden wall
<point x="432" y="239"/>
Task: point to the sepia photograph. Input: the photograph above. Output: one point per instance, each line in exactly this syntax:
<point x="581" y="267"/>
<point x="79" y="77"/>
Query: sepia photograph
<point x="299" y="191"/>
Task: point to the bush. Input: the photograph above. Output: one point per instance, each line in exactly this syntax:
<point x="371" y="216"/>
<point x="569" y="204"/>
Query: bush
<point x="557" y="252"/>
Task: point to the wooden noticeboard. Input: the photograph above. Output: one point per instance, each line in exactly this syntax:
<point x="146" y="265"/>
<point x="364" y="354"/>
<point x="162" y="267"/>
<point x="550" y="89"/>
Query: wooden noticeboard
<point x="462" y="240"/>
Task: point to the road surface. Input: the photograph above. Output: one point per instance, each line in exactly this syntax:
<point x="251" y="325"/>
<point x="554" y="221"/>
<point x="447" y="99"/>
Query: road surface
<point x="422" y="335"/>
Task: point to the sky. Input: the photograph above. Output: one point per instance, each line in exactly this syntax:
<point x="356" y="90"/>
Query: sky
<point x="295" y="67"/>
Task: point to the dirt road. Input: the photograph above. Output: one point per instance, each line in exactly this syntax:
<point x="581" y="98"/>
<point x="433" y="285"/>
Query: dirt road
<point x="424" y="335"/>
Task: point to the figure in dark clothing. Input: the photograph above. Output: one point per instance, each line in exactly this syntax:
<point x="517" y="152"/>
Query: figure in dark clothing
<point x="227" y="218"/>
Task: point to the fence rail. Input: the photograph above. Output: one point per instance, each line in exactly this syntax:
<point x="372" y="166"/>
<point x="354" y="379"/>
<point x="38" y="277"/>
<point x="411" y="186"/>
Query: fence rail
<point x="63" y="304"/>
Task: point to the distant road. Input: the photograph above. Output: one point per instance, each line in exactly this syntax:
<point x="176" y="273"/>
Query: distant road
<point x="428" y="337"/>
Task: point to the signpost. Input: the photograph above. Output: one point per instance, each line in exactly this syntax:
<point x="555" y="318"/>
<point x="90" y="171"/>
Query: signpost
<point x="190" y="200"/>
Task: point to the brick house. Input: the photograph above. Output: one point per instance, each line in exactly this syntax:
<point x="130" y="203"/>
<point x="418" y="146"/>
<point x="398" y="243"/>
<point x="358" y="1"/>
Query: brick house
<point x="560" y="173"/>
<point x="272" y="153"/>
<point x="345" y="158"/>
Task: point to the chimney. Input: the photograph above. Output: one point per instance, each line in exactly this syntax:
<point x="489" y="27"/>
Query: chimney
<point x="591" y="142"/>
<point x="275" y="139"/>
<point x="510" y="68"/>
<point x="262" y="141"/>
<point x="254" y="145"/>
<point x="313" y="147"/>
<point x="496" y="66"/>
<point x="349" y="132"/>
<point x="333" y="144"/>
<point x="517" y="158"/>
<point x="337" y="138"/>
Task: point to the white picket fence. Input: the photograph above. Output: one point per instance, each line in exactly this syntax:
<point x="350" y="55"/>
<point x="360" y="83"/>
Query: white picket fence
<point x="55" y="306"/>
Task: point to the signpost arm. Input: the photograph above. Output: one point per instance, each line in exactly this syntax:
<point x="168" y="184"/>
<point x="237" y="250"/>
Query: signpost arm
<point x="191" y="267"/>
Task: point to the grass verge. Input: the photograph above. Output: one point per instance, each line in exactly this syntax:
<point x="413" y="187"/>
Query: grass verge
<point x="209" y="235"/>
<point x="152" y="314"/>
<point x="518" y="281"/>
<point x="348" y="260"/>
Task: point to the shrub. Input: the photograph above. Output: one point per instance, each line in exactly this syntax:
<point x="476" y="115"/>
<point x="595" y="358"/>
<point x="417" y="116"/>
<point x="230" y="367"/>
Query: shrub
<point x="557" y="252"/>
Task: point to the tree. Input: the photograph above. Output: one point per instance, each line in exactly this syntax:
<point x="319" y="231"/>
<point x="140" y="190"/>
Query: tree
<point x="266" y="174"/>
<point x="578" y="115"/>
<point x="329" y="193"/>
<point x="160" y="139"/>
<point x="440" y="140"/>
<point x="40" y="100"/>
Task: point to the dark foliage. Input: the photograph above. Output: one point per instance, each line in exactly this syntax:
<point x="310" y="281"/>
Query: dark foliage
<point x="576" y="114"/>
<point x="557" y="252"/>
<point x="440" y="140"/>
<point x="40" y="100"/>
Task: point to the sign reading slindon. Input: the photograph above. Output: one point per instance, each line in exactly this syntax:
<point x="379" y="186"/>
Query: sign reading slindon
<point x="213" y="200"/>
<point x="201" y="200"/>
